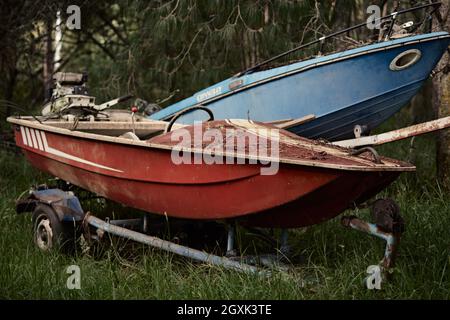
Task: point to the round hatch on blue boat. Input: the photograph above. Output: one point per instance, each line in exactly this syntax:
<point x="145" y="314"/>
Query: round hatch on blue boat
<point x="405" y="59"/>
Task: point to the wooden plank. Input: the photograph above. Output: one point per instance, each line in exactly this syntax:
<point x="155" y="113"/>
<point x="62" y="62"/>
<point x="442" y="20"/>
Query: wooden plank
<point x="295" y="122"/>
<point x="114" y="128"/>
<point x="396" y="135"/>
<point x="253" y="127"/>
<point x="275" y="122"/>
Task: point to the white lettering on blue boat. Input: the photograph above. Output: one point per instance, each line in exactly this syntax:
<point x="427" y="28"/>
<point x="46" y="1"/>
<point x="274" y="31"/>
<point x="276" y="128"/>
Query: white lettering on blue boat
<point x="209" y="94"/>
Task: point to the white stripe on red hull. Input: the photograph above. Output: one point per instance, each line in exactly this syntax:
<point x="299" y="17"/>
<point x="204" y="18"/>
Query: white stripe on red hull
<point x="37" y="139"/>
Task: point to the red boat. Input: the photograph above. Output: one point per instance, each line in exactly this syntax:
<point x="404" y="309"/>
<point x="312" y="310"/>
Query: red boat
<point x="314" y="181"/>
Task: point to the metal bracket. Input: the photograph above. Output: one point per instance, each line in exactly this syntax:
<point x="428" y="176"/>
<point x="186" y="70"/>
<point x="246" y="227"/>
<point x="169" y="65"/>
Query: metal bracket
<point x="389" y="227"/>
<point x="392" y="239"/>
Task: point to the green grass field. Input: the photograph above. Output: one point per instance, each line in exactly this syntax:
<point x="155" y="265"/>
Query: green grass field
<point x="333" y="265"/>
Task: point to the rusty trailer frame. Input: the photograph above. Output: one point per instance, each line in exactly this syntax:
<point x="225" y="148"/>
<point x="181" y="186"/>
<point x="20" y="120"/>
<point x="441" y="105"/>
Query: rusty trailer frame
<point x="67" y="209"/>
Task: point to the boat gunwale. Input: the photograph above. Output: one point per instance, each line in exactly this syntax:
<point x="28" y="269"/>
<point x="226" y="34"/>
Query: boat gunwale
<point x="403" y="167"/>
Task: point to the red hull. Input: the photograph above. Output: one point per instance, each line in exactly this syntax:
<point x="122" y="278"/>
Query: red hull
<point x="147" y="179"/>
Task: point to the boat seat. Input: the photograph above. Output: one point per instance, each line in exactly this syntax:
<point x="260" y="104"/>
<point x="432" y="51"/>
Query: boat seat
<point x="130" y="135"/>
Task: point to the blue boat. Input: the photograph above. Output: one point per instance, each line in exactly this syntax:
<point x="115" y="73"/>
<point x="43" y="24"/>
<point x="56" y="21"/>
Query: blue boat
<point x="363" y="86"/>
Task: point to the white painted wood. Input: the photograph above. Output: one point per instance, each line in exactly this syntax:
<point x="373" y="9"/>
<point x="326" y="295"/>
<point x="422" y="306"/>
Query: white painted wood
<point x="396" y="135"/>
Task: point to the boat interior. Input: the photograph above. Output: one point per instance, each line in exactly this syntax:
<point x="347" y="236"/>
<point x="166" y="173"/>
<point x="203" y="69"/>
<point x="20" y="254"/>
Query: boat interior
<point x="120" y="123"/>
<point x="113" y="123"/>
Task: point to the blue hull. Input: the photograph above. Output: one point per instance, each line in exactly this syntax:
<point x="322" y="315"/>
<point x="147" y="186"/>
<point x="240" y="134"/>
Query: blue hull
<point x="342" y="90"/>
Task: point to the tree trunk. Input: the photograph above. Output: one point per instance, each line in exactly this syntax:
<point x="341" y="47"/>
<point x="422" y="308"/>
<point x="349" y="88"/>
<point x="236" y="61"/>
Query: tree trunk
<point x="421" y="105"/>
<point x="441" y="102"/>
<point x="11" y="81"/>
<point x="342" y="15"/>
<point x="48" y="59"/>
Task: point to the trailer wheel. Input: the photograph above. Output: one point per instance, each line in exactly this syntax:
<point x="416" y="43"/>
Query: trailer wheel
<point x="50" y="234"/>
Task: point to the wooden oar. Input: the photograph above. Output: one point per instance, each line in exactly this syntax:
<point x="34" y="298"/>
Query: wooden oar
<point x="396" y="135"/>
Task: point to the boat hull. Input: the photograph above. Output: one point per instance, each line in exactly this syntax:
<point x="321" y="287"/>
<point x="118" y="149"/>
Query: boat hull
<point x="355" y="87"/>
<point x="149" y="180"/>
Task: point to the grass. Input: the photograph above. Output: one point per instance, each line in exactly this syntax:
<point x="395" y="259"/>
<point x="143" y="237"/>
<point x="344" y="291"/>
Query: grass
<point x="333" y="267"/>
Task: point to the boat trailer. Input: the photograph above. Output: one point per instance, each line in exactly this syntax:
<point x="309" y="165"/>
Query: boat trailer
<point x="56" y="211"/>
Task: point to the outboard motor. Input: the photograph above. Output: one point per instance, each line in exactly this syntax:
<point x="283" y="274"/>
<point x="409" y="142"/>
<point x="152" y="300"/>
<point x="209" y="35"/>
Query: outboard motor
<point x="69" y="92"/>
<point x="70" y="98"/>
